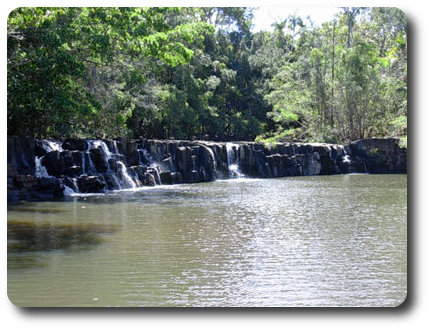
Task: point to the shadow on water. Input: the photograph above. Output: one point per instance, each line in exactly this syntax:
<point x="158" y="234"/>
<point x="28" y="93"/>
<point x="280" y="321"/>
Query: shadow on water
<point x="30" y="209"/>
<point x="25" y="240"/>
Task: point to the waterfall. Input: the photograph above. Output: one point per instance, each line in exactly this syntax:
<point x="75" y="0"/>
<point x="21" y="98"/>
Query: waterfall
<point x="83" y="162"/>
<point x="126" y="176"/>
<point x="103" y="145"/>
<point x="145" y="154"/>
<point x="148" y="160"/>
<point x="345" y="157"/>
<point x="92" y="168"/>
<point x="75" y="184"/>
<point x="68" y="191"/>
<point x="41" y="171"/>
<point x="48" y="146"/>
<point x="232" y="160"/>
<point x="115" y="147"/>
<point x="121" y="179"/>
<point x="212" y="155"/>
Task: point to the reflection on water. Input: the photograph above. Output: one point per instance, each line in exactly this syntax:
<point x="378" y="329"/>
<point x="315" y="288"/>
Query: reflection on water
<point x="308" y="241"/>
<point x="29" y="236"/>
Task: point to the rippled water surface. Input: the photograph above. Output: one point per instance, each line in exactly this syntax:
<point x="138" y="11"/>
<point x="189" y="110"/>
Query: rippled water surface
<point x="305" y="241"/>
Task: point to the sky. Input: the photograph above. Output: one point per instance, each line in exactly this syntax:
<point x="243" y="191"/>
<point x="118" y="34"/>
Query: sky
<point x="265" y="16"/>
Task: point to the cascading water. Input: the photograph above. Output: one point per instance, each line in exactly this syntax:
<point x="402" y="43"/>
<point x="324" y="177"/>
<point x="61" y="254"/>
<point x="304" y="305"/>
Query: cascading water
<point x="232" y="160"/>
<point x="101" y="144"/>
<point x="148" y="160"/>
<point x="115" y="147"/>
<point x="212" y="155"/>
<point x="345" y="157"/>
<point x="100" y="166"/>
<point x="41" y="171"/>
<point x="48" y="146"/>
<point x="123" y="180"/>
<point x="125" y="176"/>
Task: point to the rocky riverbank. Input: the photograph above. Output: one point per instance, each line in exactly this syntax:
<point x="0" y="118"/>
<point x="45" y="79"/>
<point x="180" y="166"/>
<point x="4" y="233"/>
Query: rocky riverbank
<point x="46" y="169"/>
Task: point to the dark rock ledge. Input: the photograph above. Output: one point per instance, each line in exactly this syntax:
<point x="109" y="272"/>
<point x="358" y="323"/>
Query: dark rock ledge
<point x="42" y="169"/>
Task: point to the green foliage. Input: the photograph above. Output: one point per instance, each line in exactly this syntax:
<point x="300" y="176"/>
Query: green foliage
<point x="67" y="67"/>
<point x="343" y="81"/>
<point x="200" y="73"/>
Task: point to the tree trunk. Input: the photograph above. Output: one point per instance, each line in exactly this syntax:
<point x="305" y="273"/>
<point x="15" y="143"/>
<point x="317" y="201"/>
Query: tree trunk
<point x="332" y="77"/>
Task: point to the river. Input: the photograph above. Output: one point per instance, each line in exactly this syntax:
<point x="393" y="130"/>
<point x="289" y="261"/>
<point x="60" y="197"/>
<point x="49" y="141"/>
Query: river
<point x="318" y="241"/>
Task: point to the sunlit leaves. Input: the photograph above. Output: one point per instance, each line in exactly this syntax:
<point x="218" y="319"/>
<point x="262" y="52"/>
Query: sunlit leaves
<point x="54" y="55"/>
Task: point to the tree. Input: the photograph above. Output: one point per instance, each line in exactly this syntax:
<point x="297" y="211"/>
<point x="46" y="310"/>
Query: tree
<point x="337" y="86"/>
<point x="53" y="51"/>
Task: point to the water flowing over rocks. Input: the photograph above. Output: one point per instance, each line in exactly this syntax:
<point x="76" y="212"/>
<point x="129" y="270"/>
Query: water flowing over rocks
<point x="46" y="169"/>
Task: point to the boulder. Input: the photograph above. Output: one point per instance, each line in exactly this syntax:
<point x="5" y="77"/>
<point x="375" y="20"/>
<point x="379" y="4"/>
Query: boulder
<point x="168" y="164"/>
<point x="184" y="163"/>
<point x="154" y="172"/>
<point x="380" y="156"/>
<point x="166" y="177"/>
<point x="139" y="171"/>
<point x="72" y="171"/>
<point x="131" y="153"/>
<point x="312" y="164"/>
<point x="67" y="158"/>
<point x="47" y="188"/>
<point x="91" y="184"/>
<point x="53" y="163"/>
<point x="148" y="180"/>
<point x="176" y="178"/>
<point x="26" y="181"/>
<point x="195" y="177"/>
<point x="75" y="144"/>
<point x="99" y="160"/>
<point x="21" y="154"/>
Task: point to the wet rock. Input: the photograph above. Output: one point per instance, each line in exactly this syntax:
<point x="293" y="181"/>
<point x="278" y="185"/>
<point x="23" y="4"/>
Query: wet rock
<point x="154" y="172"/>
<point x="131" y="153"/>
<point x="166" y="177"/>
<point x="149" y="180"/>
<point x="66" y="158"/>
<point x="53" y="163"/>
<point x="185" y="163"/>
<point x="99" y="160"/>
<point x="195" y="177"/>
<point x="75" y="144"/>
<point x="91" y="184"/>
<point x="11" y="171"/>
<point x="176" y="178"/>
<point x="48" y="188"/>
<point x="377" y="156"/>
<point x="21" y="154"/>
<point x="139" y="172"/>
<point x="24" y="181"/>
<point x="312" y="164"/>
<point x="72" y="171"/>
<point x="168" y="164"/>
<point x="143" y="157"/>
<point x="208" y="161"/>
<point x="112" y="182"/>
<point x="39" y="149"/>
<point x="113" y="164"/>
<point x="77" y="157"/>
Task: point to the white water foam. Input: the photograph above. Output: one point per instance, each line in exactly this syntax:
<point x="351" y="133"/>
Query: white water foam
<point x="232" y="161"/>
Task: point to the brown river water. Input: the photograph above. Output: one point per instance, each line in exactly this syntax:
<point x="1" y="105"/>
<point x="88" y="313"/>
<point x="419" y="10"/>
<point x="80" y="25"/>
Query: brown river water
<point x="300" y="241"/>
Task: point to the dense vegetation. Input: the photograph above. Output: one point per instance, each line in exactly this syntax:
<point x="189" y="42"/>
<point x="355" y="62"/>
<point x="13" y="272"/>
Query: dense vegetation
<point x="201" y="73"/>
